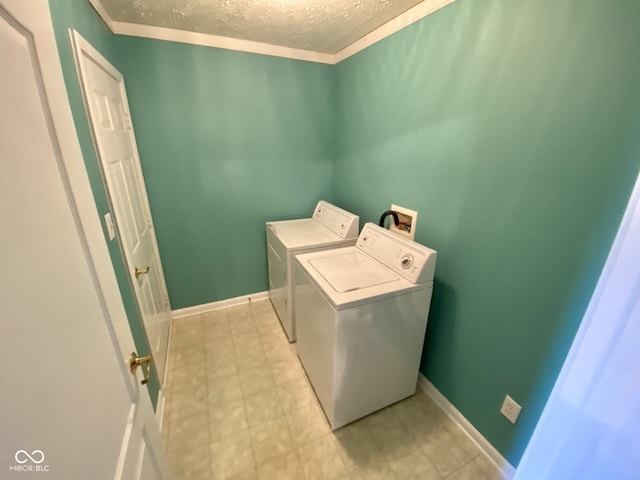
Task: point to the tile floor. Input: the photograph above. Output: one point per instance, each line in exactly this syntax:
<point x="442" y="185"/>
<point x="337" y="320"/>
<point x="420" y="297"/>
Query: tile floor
<point x="238" y="406"/>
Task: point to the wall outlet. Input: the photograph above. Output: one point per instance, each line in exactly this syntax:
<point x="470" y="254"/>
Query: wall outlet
<point x="110" y="227"/>
<point x="510" y="409"/>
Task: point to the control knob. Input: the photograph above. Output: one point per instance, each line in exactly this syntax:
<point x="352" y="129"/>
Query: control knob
<point x="406" y="261"/>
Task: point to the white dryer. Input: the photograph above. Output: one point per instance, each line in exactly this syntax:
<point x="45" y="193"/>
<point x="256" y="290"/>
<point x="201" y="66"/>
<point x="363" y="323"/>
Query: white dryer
<point x="329" y="227"/>
<point x="361" y="316"/>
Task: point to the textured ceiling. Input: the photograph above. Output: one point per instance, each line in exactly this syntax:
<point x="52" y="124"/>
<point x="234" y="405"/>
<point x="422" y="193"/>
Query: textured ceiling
<point x="315" y="25"/>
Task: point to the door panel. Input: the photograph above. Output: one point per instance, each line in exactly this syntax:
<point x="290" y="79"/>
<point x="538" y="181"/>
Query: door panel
<point x="110" y="120"/>
<point x="69" y="406"/>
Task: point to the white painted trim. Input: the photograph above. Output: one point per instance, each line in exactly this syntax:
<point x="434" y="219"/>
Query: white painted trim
<point x="210" y="307"/>
<point x="216" y="41"/>
<point x="160" y="409"/>
<point x="81" y="46"/>
<point x="165" y="376"/>
<point x="452" y="412"/>
<point x="97" y="5"/>
<point x="410" y="16"/>
<point x="74" y="180"/>
<point x="403" y="20"/>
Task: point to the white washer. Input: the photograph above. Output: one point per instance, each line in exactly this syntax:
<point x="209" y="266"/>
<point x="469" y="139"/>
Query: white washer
<point x="361" y="316"/>
<point x="329" y="227"/>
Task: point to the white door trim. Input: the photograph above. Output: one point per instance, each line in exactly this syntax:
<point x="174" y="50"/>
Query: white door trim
<point x="75" y="178"/>
<point x="100" y="320"/>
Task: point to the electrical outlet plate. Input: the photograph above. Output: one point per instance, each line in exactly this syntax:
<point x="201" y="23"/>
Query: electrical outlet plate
<point x="408" y="219"/>
<point x="110" y="227"/>
<point x="510" y="409"/>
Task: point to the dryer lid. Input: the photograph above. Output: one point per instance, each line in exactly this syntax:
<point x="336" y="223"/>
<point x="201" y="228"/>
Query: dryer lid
<point x="303" y="233"/>
<point x="352" y="271"/>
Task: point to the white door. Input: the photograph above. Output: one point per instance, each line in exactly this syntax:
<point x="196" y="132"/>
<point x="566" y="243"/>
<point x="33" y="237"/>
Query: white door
<point x="69" y="407"/>
<point x="108" y="107"/>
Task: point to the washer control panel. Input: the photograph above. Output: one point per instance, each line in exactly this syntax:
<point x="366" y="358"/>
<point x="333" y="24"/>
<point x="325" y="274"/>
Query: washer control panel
<point x="409" y="259"/>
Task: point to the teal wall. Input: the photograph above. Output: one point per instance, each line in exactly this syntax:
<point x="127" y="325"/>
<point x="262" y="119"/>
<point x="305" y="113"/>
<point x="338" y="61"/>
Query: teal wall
<point x="77" y="14"/>
<point x="227" y="141"/>
<point x="513" y="127"/>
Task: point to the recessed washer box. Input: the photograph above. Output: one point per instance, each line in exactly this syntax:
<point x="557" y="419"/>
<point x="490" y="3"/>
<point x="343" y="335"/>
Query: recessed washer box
<point x="408" y="219"/>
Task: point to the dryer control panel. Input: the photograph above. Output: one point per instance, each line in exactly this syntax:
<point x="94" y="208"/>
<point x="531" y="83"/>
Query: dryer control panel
<point x="337" y="220"/>
<point x="409" y="259"/>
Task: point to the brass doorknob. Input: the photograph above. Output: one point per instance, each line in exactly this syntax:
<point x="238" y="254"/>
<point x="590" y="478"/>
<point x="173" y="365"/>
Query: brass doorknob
<point x="137" y="272"/>
<point x="135" y="361"/>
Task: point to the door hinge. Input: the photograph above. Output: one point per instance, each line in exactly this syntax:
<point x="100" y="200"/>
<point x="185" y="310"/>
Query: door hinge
<point x="127" y="120"/>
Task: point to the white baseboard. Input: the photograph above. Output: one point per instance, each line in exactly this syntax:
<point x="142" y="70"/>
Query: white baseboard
<point x="210" y="307"/>
<point x="452" y="412"/>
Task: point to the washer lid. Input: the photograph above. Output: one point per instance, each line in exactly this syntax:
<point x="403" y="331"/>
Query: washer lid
<point x="352" y="271"/>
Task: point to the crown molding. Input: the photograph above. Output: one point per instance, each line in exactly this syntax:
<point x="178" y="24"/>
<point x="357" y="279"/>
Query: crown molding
<point x="421" y="10"/>
<point x="412" y="15"/>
